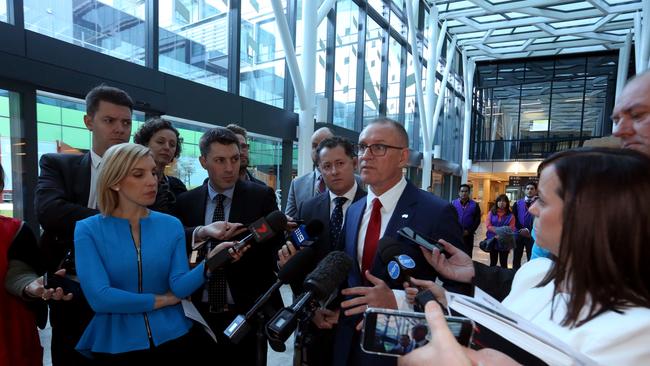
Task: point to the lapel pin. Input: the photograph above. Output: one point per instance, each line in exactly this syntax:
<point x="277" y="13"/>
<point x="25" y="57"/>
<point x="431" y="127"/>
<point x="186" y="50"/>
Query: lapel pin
<point x="405" y="216"/>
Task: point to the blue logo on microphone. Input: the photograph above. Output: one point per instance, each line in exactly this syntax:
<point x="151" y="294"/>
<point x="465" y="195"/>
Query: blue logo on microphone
<point x="406" y="261"/>
<point x="393" y="270"/>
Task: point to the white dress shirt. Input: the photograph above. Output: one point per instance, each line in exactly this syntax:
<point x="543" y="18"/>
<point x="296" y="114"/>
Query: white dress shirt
<point x="95" y="160"/>
<point x="349" y="195"/>
<point x="388" y="201"/>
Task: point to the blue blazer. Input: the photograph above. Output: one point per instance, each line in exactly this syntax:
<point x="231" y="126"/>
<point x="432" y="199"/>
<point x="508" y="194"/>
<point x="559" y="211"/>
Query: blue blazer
<point x="422" y="212"/>
<point x="121" y="292"/>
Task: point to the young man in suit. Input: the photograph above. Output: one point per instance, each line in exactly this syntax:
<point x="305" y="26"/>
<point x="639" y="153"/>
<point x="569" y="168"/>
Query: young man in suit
<point x="65" y="193"/>
<point x="391" y="204"/>
<point x="337" y="162"/>
<point x="310" y="184"/>
<point x="244" y="159"/>
<point x="225" y="197"/>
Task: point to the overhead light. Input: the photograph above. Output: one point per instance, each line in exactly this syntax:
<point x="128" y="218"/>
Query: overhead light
<point x="535" y="111"/>
<point x="533" y="103"/>
<point x="573" y="100"/>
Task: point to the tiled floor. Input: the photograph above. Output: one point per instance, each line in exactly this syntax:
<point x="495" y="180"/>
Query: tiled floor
<point x="286" y="358"/>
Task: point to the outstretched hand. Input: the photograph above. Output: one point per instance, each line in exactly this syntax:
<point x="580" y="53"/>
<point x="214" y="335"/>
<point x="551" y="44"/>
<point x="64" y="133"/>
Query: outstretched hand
<point x="458" y="267"/>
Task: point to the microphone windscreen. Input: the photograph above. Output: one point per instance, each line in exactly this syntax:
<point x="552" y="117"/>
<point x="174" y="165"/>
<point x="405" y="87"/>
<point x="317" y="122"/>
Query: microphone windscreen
<point x="314" y="228"/>
<point x="328" y="275"/>
<point x="388" y="248"/>
<point x="277" y="221"/>
<point x="298" y="266"/>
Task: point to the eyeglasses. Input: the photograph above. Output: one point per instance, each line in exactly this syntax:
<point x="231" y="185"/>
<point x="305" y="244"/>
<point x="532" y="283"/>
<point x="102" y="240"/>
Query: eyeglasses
<point x="376" y="149"/>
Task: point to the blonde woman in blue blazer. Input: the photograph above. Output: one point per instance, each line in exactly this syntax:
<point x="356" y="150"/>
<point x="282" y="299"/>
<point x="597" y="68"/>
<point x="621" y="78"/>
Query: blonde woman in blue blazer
<point x="133" y="267"/>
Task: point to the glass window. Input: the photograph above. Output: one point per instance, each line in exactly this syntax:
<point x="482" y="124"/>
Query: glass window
<point x="115" y="28"/>
<point x="345" y="63"/>
<point x="566" y="109"/>
<point x="321" y="49"/>
<point x="411" y="108"/>
<point x="262" y="55"/>
<point x="394" y="77"/>
<point x="379" y="6"/>
<point x="535" y="101"/>
<point x="372" y="79"/>
<point x="594" y="116"/>
<point x="7" y="148"/>
<point x="3" y="11"/>
<point x="193" y="40"/>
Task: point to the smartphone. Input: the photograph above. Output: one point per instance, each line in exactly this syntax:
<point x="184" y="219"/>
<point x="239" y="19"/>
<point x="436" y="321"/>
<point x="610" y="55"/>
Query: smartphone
<point x="419" y="239"/>
<point x="396" y="333"/>
<point x="50" y="280"/>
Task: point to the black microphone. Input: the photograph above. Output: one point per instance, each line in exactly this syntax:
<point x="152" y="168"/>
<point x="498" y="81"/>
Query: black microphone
<point x="305" y="235"/>
<point x="296" y="267"/>
<point x="399" y="266"/>
<point x="319" y="284"/>
<point x="261" y="230"/>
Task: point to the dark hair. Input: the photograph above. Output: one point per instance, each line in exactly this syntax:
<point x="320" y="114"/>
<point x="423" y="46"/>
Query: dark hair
<point x="237" y="130"/>
<point x="332" y="142"/>
<point x="531" y="183"/>
<point x="220" y="135"/>
<point x="465" y="185"/>
<point x="604" y="243"/>
<point x="107" y="94"/>
<point x="396" y="125"/>
<point x="153" y="125"/>
<point x="501" y="197"/>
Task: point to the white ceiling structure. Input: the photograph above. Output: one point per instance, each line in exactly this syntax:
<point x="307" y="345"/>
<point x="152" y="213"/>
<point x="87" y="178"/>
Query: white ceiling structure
<point x="505" y="29"/>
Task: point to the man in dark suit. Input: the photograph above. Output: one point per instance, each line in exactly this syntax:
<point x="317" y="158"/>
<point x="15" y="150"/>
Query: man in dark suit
<point x="337" y="162"/>
<point x="66" y="193"/>
<point x="225" y="197"/>
<point x="244" y="159"/>
<point x="392" y="203"/>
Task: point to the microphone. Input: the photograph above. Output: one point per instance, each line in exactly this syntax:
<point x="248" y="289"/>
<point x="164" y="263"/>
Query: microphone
<point x="400" y="266"/>
<point x="304" y="235"/>
<point x="296" y="267"/>
<point x="319" y="284"/>
<point x="261" y="230"/>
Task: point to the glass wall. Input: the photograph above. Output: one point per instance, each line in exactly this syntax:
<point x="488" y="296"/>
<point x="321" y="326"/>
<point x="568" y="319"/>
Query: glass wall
<point x="394" y="78"/>
<point x="345" y="64"/>
<point x="372" y="78"/>
<point x="3" y="11"/>
<point x="115" y="28"/>
<point x="6" y="195"/>
<point x="528" y="110"/>
<point x="262" y="55"/>
<point x="193" y="40"/>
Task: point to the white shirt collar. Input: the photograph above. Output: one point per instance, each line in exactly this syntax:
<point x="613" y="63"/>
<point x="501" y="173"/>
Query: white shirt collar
<point x="95" y="159"/>
<point x="389" y="198"/>
<point x="349" y="194"/>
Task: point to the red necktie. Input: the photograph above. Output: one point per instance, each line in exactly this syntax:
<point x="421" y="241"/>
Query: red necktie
<point x="372" y="236"/>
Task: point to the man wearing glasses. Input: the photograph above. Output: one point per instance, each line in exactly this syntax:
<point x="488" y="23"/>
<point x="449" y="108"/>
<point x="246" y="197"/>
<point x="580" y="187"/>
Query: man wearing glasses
<point x="391" y="204"/>
<point x="244" y="157"/>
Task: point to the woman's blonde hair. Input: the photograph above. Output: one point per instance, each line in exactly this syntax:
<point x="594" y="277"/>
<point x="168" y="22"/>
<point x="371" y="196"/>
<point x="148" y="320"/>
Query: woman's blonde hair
<point x="116" y="165"/>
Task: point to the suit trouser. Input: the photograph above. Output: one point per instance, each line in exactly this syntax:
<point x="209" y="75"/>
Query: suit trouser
<point x="69" y="320"/>
<point x="468" y="242"/>
<point x="522" y="243"/>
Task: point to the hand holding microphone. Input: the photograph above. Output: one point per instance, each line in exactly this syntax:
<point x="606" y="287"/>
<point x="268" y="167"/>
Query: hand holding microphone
<point x="302" y="236"/>
<point x="260" y="231"/>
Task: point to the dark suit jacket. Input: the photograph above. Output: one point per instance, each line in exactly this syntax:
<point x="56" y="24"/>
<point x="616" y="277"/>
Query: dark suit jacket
<point x="417" y="209"/>
<point x="252" y="275"/>
<point x="61" y="200"/>
<point x="253" y="179"/>
<point x="318" y="208"/>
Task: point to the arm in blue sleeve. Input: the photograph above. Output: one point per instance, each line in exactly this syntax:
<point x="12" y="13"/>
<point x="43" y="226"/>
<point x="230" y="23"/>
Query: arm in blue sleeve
<point x="182" y="281"/>
<point x="95" y="282"/>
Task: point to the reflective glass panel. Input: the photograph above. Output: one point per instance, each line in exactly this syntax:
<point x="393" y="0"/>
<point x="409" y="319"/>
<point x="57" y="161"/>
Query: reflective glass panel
<point x="372" y="79"/>
<point x="262" y="55"/>
<point x="193" y="40"/>
<point x="345" y="63"/>
<point x="394" y="77"/>
<point x="115" y="28"/>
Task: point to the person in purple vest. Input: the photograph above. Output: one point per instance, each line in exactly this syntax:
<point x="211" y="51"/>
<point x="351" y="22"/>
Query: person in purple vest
<point x="524" y="224"/>
<point x="500" y="215"/>
<point x="469" y="215"/>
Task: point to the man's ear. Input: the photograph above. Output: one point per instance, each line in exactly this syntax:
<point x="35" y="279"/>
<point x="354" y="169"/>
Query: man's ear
<point x="203" y="162"/>
<point x="88" y="121"/>
<point x="404" y="158"/>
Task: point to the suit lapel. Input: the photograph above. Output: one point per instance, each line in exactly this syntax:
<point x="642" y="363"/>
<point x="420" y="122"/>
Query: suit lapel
<point x="82" y="181"/>
<point x="353" y="223"/>
<point x="237" y="205"/>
